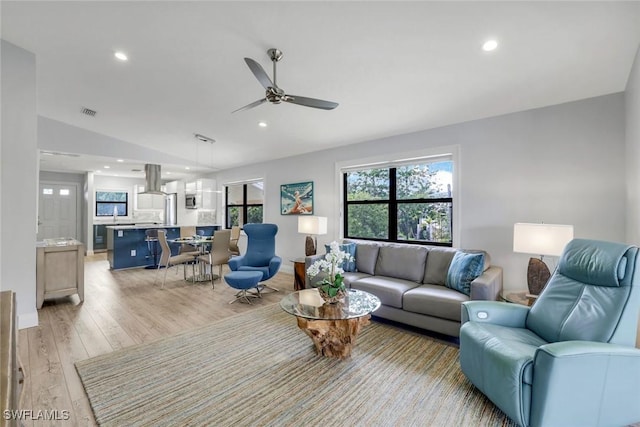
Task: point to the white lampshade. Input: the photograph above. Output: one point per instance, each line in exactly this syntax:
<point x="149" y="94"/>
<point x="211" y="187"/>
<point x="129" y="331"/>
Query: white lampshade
<point x="316" y="225"/>
<point x="541" y="239"/>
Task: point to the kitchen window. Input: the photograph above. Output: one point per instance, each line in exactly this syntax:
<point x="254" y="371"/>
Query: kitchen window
<point x="110" y="203"/>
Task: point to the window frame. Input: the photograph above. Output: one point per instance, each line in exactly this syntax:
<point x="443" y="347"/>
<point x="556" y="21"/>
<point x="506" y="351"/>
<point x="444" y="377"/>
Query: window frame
<point x="244" y="205"/>
<point x="392" y="203"/>
<point x="97" y="202"/>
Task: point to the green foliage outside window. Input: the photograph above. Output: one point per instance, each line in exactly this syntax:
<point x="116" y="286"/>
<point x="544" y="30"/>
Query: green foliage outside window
<point x="107" y="201"/>
<point x="244" y="204"/>
<point x="407" y="203"/>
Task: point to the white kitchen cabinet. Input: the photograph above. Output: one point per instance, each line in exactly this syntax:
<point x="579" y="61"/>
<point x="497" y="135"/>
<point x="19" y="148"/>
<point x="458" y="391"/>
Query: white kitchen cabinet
<point x="205" y="191"/>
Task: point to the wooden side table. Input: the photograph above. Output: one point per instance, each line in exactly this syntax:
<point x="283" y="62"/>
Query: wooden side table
<point x="523" y="298"/>
<point x="299" y="273"/>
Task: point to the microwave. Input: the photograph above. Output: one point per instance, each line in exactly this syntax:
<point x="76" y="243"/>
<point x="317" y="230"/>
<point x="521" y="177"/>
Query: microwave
<point x="190" y="201"/>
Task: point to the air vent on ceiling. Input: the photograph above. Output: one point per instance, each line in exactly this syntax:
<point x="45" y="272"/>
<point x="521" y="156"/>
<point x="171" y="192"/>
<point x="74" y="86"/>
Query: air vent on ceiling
<point x="136" y="170"/>
<point x="88" y="111"/>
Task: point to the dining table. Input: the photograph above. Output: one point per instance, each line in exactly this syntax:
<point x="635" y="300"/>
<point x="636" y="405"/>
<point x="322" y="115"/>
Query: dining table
<point x="202" y="243"/>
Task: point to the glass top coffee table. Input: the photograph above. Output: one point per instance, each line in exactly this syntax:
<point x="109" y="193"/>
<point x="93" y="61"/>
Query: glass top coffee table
<point x="333" y="328"/>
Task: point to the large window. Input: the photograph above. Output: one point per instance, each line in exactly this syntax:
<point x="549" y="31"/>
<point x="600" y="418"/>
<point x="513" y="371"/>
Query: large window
<point x="400" y="203"/>
<point x="109" y="202"/>
<point x="244" y="203"/>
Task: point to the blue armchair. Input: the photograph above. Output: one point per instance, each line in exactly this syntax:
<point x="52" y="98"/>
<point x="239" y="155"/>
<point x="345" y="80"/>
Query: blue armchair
<point x="261" y="252"/>
<point x="570" y="359"/>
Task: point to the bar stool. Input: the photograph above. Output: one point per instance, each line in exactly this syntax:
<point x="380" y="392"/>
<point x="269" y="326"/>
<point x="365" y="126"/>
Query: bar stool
<point x="151" y="237"/>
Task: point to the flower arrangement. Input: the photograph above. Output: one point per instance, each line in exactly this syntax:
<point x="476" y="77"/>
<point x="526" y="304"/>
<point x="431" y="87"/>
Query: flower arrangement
<point x="332" y="287"/>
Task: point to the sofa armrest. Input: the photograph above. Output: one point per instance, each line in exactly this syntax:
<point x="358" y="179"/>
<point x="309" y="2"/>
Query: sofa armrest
<point x="495" y="312"/>
<point x="585" y="383"/>
<point x="310" y="282"/>
<point x="488" y="285"/>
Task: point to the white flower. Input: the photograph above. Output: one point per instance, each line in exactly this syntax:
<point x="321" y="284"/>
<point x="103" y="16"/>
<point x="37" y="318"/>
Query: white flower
<point x="331" y="263"/>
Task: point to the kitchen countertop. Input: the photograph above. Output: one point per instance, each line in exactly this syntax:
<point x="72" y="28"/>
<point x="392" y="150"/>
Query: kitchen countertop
<point x="60" y="241"/>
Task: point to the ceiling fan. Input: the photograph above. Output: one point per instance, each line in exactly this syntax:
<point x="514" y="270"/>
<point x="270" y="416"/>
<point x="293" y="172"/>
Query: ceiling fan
<point x="274" y="94"/>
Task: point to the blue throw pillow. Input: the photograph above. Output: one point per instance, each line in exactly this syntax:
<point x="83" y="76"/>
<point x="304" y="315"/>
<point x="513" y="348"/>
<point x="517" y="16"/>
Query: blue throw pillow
<point x="464" y="269"/>
<point x="349" y="248"/>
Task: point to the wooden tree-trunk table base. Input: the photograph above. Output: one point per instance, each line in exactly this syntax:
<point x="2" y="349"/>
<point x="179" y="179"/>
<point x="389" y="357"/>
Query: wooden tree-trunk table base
<point x="333" y="338"/>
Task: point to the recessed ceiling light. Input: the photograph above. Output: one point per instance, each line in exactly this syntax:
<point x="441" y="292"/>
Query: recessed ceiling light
<point x="168" y="173"/>
<point x="106" y="167"/>
<point x="121" y="56"/>
<point x="120" y="160"/>
<point x="187" y="167"/>
<point x="262" y="124"/>
<point x="489" y="45"/>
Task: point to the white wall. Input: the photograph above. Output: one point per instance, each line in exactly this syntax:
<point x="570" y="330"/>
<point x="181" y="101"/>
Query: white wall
<point x="19" y="180"/>
<point x="54" y="135"/>
<point x="632" y="126"/>
<point x="560" y="164"/>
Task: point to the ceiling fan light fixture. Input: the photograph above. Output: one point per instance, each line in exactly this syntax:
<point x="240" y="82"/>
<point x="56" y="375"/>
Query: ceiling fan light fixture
<point x="273" y="93"/>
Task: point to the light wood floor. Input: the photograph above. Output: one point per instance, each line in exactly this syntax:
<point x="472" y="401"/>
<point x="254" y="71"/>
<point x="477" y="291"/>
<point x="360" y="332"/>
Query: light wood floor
<point x="121" y="309"/>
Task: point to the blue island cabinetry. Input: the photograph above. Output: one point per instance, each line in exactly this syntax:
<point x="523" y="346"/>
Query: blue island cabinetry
<point x="127" y="246"/>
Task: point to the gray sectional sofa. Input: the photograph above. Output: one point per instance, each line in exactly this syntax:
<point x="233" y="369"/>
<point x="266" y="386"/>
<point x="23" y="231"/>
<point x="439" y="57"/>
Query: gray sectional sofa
<point x="410" y="282"/>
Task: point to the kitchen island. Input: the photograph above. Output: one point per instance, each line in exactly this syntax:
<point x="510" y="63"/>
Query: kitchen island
<point x="127" y="246"/>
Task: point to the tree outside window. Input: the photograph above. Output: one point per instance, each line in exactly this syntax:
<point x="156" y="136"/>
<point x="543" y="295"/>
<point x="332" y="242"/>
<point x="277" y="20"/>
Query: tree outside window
<point x="244" y="203"/>
<point x="108" y="202"/>
<point x="407" y="203"/>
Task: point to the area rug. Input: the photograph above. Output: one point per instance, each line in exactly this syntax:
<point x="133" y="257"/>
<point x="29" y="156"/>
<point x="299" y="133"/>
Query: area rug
<point x="259" y="369"/>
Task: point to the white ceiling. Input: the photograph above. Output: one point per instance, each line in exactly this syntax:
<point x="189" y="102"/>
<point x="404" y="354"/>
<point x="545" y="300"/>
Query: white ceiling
<point x="394" y="67"/>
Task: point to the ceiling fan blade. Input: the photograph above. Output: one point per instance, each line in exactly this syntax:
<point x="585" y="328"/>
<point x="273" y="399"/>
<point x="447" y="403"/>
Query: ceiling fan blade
<point x="259" y="72"/>
<point x="253" y="104"/>
<point x="310" y="102"/>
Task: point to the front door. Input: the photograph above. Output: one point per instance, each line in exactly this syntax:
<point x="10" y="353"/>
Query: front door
<point x="57" y="211"/>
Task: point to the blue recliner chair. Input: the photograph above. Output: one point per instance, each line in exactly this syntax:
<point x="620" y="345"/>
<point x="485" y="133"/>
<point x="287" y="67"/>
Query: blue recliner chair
<point x="570" y="359"/>
<point x="261" y="252"/>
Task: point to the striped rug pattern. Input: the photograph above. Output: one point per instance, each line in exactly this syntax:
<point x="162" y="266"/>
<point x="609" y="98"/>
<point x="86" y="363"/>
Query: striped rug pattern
<point x="259" y="369"/>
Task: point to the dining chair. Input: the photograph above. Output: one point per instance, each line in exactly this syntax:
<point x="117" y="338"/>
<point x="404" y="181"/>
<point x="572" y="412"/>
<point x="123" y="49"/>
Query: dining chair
<point x="233" y="244"/>
<point x="151" y="237"/>
<point x="167" y="260"/>
<point x="219" y="254"/>
<point x="188" y="231"/>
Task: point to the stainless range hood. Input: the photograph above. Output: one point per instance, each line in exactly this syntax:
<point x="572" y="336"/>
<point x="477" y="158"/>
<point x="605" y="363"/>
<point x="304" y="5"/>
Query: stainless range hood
<point x="153" y="181"/>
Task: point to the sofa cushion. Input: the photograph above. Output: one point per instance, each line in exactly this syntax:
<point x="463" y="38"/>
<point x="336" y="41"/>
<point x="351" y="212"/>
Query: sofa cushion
<point x="352" y="276"/>
<point x="434" y="300"/>
<point x="402" y="261"/>
<point x="388" y="289"/>
<point x="349" y="248"/>
<point x="437" y="265"/>
<point x="366" y="257"/>
<point x="463" y="270"/>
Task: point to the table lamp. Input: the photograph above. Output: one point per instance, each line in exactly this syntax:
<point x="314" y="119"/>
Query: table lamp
<point x="540" y="239"/>
<point x="311" y="226"/>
